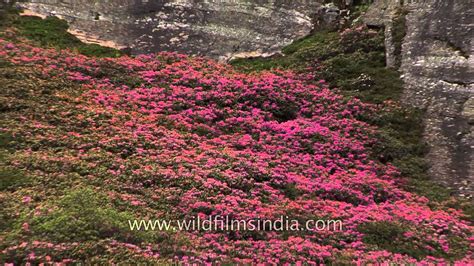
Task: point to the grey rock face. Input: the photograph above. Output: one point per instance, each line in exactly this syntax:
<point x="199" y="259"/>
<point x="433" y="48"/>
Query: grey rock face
<point x="380" y="12"/>
<point x="217" y="28"/>
<point x="438" y="70"/>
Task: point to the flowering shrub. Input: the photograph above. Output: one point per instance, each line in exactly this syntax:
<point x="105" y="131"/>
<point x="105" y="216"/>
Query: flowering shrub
<point x="174" y="137"/>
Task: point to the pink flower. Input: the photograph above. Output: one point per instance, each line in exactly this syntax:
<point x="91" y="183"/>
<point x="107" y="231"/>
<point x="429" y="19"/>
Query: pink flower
<point x="26" y="227"/>
<point x="245" y="140"/>
<point x="199" y="139"/>
<point x="31" y="256"/>
<point x="26" y="199"/>
<point x="9" y="46"/>
<point x="136" y="203"/>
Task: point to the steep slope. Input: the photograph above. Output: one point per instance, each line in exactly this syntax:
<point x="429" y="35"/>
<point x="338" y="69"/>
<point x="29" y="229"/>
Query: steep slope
<point x="89" y="144"/>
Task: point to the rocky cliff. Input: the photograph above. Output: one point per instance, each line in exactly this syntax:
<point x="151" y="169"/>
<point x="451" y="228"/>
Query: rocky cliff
<point x="438" y="70"/>
<point x="216" y="28"/>
<point x="437" y="67"/>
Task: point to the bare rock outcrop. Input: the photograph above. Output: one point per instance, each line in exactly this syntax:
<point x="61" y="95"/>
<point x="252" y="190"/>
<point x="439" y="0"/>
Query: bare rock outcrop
<point x="216" y="28"/>
<point x="435" y="59"/>
<point x="438" y="70"/>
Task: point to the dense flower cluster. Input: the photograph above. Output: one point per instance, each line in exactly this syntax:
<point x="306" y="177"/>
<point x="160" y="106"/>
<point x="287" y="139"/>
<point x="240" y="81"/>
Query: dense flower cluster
<point x="174" y="137"/>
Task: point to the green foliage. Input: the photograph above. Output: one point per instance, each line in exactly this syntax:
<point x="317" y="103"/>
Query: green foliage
<point x="5" y="140"/>
<point x="400" y="143"/>
<point x="131" y="82"/>
<point x="382" y="234"/>
<point x="50" y="31"/>
<point x="285" y="111"/>
<point x="315" y="41"/>
<point x="390" y="236"/>
<point x="290" y="190"/>
<point x="466" y="206"/>
<point x="358" y="10"/>
<point x="4" y="63"/>
<point x="392" y="147"/>
<point x="261" y="64"/>
<point x="84" y="215"/>
<point x="7" y="216"/>
<point x="363" y="75"/>
<point x="98" y="51"/>
<point x="11" y="179"/>
<point x="399" y="32"/>
<point x="429" y="189"/>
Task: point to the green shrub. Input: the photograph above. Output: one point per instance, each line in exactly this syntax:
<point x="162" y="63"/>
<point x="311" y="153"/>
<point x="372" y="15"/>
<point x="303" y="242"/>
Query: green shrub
<point x="84" y="215"/>
<point x="5" y="140"/>
<point x="285" y="111"/>
<point x="399" y="32"/>
<point x="382" y="234"/>
<point x="7" y="218"/>
<point x="98" y="51"/>
<point x="433" y="191"/>
<point x="6" y="11"/>
<point x="261" y="64"/>
<point x="4" y="63"/>
<point x="412" y="166"/>
<point x="318" y="39"/>
<point x="390" y="236"/>
<point x="11" y="179"/>
<point x="390" y="147"/>
<point x="51" y="31"/>
<point x="289" y="189"/>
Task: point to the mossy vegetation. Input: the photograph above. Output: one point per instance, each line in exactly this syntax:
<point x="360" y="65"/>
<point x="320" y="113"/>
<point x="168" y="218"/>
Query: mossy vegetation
<point x="391" y="236"/>
<point x="395" y="237"/>
<point x="85" y="214"/>
<point x="399" y="32"/>
<point x="11" y="179"/>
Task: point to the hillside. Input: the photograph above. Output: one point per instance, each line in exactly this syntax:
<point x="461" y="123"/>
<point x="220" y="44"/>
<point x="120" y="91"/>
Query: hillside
<point x="91" y="143"/>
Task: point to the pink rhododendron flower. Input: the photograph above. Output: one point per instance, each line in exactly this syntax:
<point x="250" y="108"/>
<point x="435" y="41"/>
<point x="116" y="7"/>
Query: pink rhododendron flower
<point x="26" y="199"/>
<point x="166" y="135"/>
